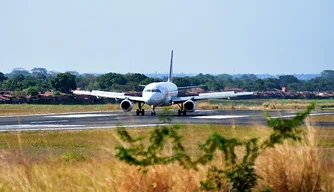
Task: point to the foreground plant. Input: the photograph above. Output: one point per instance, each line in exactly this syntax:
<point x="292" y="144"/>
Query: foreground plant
<point x="238" y="174"/>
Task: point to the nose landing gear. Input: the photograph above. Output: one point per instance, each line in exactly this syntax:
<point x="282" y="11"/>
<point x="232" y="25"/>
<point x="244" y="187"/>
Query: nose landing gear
<point x="153" y="113"/>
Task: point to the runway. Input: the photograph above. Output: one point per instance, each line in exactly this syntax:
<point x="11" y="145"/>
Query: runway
<point x="91" y="120"/>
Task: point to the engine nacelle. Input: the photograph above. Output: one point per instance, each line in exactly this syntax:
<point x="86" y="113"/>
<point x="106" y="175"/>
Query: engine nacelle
<point x="189" y="106"/>
<point x="126" y="105"/>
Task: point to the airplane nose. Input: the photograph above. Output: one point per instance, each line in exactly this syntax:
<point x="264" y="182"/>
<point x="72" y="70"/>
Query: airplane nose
<point x="154" y="99"/>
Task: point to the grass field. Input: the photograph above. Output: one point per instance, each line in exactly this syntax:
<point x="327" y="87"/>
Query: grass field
<point x="84" y="161"/>
<point x="253" y="104"/>
<point x="261" y="104"/>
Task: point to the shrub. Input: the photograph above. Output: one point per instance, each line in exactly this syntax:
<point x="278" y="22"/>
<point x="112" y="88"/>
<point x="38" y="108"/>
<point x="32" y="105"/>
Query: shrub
<point x="236" y="175"/>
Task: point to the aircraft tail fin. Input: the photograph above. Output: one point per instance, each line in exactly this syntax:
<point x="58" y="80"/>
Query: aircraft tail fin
<point x="170" y="77"/>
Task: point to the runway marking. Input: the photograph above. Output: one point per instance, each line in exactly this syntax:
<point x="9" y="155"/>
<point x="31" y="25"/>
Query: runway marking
<point x="81" y="115"/>
<point x="41" y="114"/>
<point x="313" y="114"/>
<point x="27" y="126"/>
<point x="40" y="122"/>
<point x="24" y="127"/>
<point x="220" y="117"/>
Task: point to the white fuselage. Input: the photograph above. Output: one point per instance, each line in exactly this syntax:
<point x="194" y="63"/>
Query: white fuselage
<point x="160" y="94"/>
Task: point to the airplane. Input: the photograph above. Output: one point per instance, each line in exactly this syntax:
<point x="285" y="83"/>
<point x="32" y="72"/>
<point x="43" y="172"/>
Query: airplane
<point x="161" y="94"/>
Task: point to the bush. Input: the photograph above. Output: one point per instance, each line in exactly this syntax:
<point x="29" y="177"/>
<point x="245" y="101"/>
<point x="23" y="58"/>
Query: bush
<point x="32" y="91"/>
<point x="237" y="174"/>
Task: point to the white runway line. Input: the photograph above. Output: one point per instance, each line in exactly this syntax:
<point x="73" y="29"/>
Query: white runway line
<point x="220" y="117"/>
<point x="27" y="126"/>
<point x="81" y="115"/>
<point x="41" y="114"/>
<point x="72" y="127"/>
<point x="312" y="114"/>
<point x="315" y="114"/>
<point x="40" y="122"/>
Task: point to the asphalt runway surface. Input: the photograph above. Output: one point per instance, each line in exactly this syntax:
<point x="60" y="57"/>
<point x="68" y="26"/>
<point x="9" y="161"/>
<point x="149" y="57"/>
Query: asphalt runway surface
<point x="91" y="120"/>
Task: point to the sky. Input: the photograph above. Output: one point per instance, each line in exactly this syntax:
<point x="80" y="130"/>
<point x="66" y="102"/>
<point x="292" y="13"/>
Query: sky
<point x="214" y="36"/>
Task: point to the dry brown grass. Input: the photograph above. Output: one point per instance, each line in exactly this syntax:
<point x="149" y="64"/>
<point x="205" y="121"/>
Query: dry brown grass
<point x="98" y="174"/>
<point x="293" y="104"/>
<point x="160" y="178"/>
<point x="302" y="166"/>
<point x="296" y="167"/>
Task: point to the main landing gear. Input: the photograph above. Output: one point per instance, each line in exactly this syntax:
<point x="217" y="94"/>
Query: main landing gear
<point x="153" y="113"/>
<point x="140" y="110"/>
<point x="181" y="111"/>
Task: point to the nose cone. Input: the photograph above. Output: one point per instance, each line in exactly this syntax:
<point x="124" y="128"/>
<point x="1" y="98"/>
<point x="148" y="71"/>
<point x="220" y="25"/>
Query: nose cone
<point x="153" y="99"/>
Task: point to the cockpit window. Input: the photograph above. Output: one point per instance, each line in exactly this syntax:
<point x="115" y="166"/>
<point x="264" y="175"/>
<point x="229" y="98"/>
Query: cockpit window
<point x="153" y="90"/>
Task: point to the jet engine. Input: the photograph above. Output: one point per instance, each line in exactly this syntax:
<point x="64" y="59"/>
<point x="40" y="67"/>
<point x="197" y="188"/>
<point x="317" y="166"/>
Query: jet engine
<point x="189" y="106"/>
<point x="126" y="105"/>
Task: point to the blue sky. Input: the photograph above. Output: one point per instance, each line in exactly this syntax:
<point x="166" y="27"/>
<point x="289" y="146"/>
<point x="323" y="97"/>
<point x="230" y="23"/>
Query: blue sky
<point x="263" y="36"/>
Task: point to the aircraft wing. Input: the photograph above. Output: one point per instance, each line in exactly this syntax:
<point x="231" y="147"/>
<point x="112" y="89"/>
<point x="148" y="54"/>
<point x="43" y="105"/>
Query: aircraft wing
<point x="187" y="87"/>
<point x="214" y="95"/>
<point x="108" y="94"/>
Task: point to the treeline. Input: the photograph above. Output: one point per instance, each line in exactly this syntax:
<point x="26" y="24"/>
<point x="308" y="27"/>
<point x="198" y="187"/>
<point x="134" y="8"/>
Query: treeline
<point x="39" y="80"/>
<point x="250" y="82"/>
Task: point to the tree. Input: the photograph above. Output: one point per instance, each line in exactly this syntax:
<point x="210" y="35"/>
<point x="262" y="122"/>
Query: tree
<point x="19" y="77"/>
<point x="19" y="71"/>
<point x="259" y="85"/>
<point x="84" y="80"/>
<point x="285" y="80"/>
<point x="327" y="74"/>
<point x="135" y="77"/>
<point x="215" y="85"/>
<point x="64" y="82"/>
<point x="249" y="77"/>
<point x="272" y="83"/>
<point x="32" y="91"/>
<point x="73" y="73"/>
<point x="107" y="80"/>
<point x="52" y="73"/>
<point x="181" y="82"/>
<point x="39" y="71"/>
<point x="11" y="84"/>
<point x="224" y="76"/>
<point x="148" y="81"/>
<point x="2" y="77"/>
<point x="29" y="82"/>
